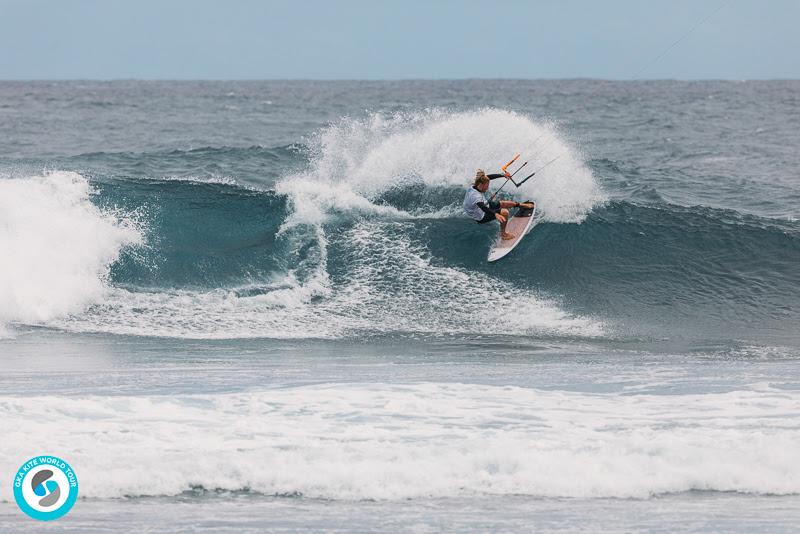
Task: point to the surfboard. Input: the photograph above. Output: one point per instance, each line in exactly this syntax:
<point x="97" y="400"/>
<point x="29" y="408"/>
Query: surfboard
<point x="519" y="224"/>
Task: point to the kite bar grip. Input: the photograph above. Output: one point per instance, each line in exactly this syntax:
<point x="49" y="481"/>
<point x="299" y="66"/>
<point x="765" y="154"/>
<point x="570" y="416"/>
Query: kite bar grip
<point x="504" y="167"/>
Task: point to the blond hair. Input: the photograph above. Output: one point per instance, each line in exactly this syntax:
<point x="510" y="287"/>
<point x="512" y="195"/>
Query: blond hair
<point x="481" y="178"/>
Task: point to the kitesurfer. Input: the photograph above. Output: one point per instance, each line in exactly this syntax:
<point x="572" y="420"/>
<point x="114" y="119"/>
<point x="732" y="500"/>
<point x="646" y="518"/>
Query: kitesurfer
<point x="482" y="210"/>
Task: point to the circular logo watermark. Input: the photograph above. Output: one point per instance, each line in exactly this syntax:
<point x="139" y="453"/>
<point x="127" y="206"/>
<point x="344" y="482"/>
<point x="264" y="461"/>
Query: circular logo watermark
<point x="45" y="487"/>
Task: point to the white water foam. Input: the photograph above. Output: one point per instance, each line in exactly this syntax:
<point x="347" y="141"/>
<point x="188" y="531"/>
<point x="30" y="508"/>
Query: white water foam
<point x="57" y="247"/>
<point x="282" y="308"/>
<point x="382" y="441"/>
<point x="391" y="287"/>
<point x="354" y="161"/>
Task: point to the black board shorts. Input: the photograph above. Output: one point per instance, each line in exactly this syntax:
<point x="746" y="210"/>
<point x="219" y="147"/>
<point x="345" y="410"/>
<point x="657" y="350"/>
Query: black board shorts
<point x="489" y="217"/>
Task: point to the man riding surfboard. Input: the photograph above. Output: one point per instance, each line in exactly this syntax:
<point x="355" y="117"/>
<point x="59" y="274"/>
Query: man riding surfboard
<point x="482" y="210"/>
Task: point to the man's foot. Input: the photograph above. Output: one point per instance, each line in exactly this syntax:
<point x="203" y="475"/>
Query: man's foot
<point x="506" y="236"/>
<point x="526" y="205"/>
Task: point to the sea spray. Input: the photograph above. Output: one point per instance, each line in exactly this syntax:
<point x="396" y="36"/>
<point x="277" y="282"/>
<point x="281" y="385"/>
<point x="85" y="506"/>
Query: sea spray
<point x="57" y="246"/>
<point x="354" y="161"/>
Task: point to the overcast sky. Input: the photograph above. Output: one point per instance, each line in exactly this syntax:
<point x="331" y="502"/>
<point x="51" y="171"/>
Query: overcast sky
<point x="354" y="39"/>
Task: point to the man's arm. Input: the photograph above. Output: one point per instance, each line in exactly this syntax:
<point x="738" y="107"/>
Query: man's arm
<point x="484" y="207"/>
<point x="493" y="176"/>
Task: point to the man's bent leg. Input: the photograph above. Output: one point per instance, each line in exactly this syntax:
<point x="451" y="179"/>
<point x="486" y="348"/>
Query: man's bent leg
<point x="503" y="233"/>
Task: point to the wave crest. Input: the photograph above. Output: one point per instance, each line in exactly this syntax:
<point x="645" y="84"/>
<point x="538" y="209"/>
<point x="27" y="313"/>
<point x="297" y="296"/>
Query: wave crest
<point x="57" y="246"/>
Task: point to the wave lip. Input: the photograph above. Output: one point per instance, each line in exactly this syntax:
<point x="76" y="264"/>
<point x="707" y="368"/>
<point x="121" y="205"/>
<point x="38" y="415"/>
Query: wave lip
<point x="57" y="246"/>
<point x="384" y="441"/>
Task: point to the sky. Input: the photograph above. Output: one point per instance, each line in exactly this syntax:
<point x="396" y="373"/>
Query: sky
<point x="389" y="39"/>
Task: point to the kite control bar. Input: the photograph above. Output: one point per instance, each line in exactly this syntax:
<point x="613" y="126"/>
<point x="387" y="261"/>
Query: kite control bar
<point x="534" y="172"/>
<point x="510" y="177"/>
<point x="507" y="165"/>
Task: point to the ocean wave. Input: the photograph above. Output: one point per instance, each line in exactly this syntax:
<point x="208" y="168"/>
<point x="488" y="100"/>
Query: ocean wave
<point x="220" y="261"/>
<point x="370" y="239"/>
<point x="368" y="279"/>
<point x="58" y="247"/>
<point x="382" y="441"/>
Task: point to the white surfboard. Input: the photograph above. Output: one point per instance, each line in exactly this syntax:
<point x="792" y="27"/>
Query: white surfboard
<point x="519" y="224"/>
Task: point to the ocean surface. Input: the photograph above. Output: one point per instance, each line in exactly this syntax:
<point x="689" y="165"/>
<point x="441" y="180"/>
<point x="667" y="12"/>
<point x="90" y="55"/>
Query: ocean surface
<point x="238" y="306"/>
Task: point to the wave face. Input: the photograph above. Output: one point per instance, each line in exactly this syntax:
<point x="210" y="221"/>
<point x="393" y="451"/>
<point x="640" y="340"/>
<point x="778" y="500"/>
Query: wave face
<point x="358" y="231"/>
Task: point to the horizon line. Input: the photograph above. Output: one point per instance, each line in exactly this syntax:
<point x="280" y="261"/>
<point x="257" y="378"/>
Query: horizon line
<point x="577" y="78"/>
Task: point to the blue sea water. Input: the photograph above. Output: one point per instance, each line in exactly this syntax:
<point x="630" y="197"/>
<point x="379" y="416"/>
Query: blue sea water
<point x="257" y="305"/>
